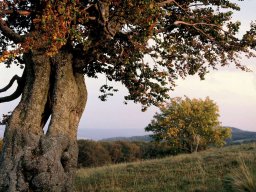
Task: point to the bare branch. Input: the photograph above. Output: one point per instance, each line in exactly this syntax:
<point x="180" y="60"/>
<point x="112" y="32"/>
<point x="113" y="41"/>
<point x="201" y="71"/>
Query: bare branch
<point x="15" y="77"/>
<point x="13" y="96"/>
<point x="197" y="4"/>
<point x="16" y="38"/>
<point x="194" y="25"/>
<point x="18" y="91"/>
<point x="20" y="12"/>
<point x="165" y="3"/>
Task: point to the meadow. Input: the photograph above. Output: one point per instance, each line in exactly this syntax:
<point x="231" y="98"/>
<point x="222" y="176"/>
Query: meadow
<point x="227" y="169"/>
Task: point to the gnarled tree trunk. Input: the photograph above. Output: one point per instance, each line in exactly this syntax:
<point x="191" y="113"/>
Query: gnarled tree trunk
<point x="33" y="160"/>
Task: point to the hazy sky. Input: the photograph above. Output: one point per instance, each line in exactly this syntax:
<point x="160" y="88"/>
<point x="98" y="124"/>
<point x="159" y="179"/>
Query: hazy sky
<point x="234" y="91"/>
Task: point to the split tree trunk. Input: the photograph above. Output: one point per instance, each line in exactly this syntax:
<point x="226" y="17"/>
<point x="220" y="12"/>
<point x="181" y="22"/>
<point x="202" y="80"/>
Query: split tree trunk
<point x="32" y="160"/>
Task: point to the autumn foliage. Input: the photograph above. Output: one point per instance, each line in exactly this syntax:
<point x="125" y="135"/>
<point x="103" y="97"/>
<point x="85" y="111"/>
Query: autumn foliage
<point x="189" y="125"/>
<point x="113" y="36"/>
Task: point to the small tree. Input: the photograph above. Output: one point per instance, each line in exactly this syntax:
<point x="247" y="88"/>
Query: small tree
<point x="189" y="124"/>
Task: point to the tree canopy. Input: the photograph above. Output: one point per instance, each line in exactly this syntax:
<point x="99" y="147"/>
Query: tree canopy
<point x="189" y="124"/>
<point x="113" y="36"/>
<point x="60" y="41"/>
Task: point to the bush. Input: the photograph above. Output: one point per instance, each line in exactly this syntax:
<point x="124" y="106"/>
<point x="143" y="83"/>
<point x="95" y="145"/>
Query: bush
<point x="92" y="154"/>
<point x="157" y="150"/>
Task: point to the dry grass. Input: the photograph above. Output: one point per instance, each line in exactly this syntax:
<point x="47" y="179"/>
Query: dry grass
<point x="205" y="171"/>
<point x="242" y="178"/>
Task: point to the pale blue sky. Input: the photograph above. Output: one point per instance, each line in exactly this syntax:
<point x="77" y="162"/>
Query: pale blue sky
<point x="233" y="90"/>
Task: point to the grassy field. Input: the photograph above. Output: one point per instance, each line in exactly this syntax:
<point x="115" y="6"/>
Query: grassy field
<point x="228" y="169"/>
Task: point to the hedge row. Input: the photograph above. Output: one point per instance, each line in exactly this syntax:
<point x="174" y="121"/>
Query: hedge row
<point x="98" y="153"/>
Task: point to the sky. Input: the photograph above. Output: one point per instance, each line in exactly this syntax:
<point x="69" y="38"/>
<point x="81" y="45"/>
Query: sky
<point x="234" y="91"/>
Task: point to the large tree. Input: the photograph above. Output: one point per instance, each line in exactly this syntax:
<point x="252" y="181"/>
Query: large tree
<point x="58" y="42"/>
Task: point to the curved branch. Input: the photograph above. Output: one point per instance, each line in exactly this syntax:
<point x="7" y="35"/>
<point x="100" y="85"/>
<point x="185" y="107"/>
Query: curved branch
<point x="15" y="77"/>
<point x="8" y="32"/>
<point x="11" y="97"/>
<point x="17" y="92"/>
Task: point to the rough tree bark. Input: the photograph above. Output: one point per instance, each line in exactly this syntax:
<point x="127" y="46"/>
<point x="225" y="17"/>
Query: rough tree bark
<point x="33" y="160"/>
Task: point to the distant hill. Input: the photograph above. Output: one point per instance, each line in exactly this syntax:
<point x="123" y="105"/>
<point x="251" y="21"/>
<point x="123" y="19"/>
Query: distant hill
<point x="145" y="138"/>
<point x="238" y="135"/>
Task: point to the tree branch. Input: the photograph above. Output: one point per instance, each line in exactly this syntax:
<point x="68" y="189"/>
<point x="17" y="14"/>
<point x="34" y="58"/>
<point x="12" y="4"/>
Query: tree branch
<point x="16" y="38"/>
<point x="194" y="25"/>
<point x="18" y="91"/>
<point x="20" y="12"/>
<point x="165" y="3"/>
<point x="15" y="77"/>
<point x="13" y="96"/>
